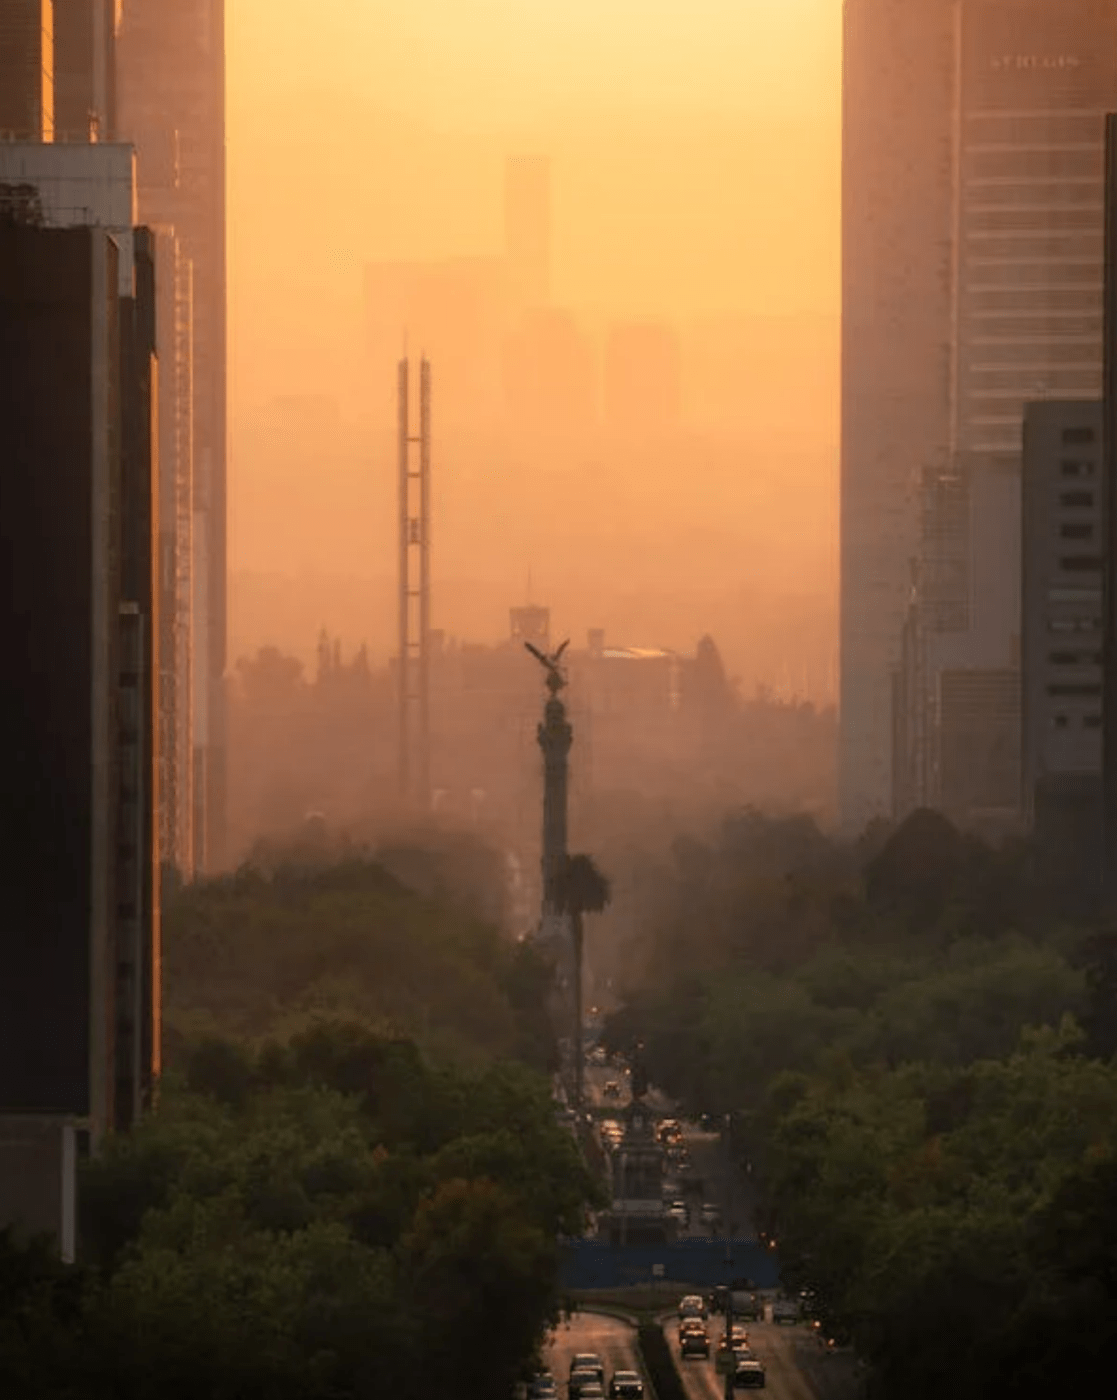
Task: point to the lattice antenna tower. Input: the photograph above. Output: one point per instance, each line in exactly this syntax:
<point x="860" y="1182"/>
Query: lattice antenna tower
<point x="414" y="588"/>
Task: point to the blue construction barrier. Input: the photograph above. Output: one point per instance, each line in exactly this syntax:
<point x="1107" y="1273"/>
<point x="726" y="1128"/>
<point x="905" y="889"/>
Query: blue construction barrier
<point x="704" y="1263"/>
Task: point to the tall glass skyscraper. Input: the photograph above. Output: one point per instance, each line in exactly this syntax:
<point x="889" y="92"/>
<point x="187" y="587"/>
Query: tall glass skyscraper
<point x="972" y="282"/>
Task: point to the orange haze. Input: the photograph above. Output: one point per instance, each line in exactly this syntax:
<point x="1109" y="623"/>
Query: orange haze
<point x="694" y="154"/>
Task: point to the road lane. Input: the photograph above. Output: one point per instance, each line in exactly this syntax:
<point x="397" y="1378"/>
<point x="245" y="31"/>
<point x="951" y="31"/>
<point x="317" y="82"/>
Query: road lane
<point x="613" y="1340"/>
<point x="772" y="1345"/>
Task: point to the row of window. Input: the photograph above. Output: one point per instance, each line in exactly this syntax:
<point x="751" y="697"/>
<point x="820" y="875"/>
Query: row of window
<point x="1068" y="625"/>
<point x="1069" y="690"/>
<point x="1064" y="721"/>
<point x="1074" y="595"/>
<point x="1075" y="658"/>
<point x="1086" y="162"/>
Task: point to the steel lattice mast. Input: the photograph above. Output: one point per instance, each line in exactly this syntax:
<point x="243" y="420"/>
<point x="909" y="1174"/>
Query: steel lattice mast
<point x="414" y="589"/>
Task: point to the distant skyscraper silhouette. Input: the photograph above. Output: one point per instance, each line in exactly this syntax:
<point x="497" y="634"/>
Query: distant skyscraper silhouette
<point x="527" y="229"/>
<point x="642" y="377"/>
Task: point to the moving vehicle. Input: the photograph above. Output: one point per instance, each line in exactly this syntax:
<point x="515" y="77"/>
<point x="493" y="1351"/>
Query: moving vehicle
<point x="679" y="1211"/>
<point x="588" y="1361"/>
<point x="612" y="1089"/>
<point x="749" y="1307"/>
<point x="626" y="1385"/>
<point x="694" y="1341"/>
<point x="693" y="1305"/>
<point x="741" y="1351"/>
<point x="749" y="1375"/>
<point x="542" y="1387"/>
<point x="709" y="1214"/>
<point x="785" y="1310"/>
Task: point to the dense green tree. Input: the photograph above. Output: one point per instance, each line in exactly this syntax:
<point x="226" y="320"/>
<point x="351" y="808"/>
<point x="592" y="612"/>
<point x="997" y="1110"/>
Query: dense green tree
<point x="329" y="1216"/>
<point x="272" y="948"/>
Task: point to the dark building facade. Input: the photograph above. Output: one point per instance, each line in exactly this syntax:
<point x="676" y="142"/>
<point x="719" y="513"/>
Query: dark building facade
<point x="26" y="70"/>
<point x="80" y="993"/>
<point x="84" y="70"/>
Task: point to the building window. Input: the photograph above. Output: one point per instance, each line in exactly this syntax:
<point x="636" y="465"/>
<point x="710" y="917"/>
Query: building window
<point x="1074" y="624"/>
<point x="1075" y="467"/>
<point x="1075" y="658"/>
<point x="1076" y="532"/>
<point x="1074" y="692"/>
<point x="1077" y="435"/>
<point x="1076" y="498"/>
<point x="1074" y="595"/>
<point x="1081" y="564"/>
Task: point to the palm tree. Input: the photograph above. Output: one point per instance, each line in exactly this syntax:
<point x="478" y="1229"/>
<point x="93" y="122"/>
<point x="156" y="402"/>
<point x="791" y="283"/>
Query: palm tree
<point x="580" y="889"/>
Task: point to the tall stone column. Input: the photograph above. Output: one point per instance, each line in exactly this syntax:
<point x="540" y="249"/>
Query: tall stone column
<point x="555" y="737"/>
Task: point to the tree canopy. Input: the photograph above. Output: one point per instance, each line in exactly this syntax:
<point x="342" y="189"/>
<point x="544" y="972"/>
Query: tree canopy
<point x="914" y="1038"/>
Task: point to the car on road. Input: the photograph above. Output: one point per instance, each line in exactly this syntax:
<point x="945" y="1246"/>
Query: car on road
<point x="749" y="1374"/>
<point x="679" y="1211"/>
<point x="588" y="1361"/>
<point x="740" y="1351"/>
<point x="693" y="1305"/>
<point x="785" y="1310"/>
<point x="626" y="1385"/>
<point x="612" y="1090"/>
<point x="694" y="1341"/>
<point x="542" y="1387"/>
<point x="709" y="1214"/>
<point x="749" y="1307"/>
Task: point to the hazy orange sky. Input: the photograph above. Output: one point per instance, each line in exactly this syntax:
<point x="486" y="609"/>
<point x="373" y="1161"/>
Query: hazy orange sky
<point x="695" y="148"/>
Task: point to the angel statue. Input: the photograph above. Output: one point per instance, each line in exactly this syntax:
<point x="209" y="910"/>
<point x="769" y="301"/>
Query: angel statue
<point x="555" y="679"/>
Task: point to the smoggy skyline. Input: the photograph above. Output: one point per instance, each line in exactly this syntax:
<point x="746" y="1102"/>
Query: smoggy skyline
<point x="695" y="181"/>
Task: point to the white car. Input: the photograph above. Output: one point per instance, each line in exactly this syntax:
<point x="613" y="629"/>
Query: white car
<point x="693" y="1305"/>
<point x="710" y="1214"/>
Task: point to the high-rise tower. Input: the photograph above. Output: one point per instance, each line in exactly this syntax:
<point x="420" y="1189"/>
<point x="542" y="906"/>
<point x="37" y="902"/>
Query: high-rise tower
<point x="27" y="70"/>
<point x="972" y="232"/>
<point x="84" y="70"/>
<point x="527" y="230"/>
<point x="170" y="91"/>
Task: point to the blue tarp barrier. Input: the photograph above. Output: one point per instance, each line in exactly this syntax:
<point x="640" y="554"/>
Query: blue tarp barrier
<point x="596" y="1264"/>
